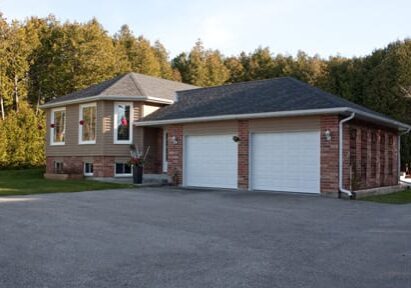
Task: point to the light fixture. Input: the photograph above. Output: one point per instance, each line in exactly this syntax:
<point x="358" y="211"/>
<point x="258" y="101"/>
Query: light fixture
<point x="236" y="138"/>
<point x="327" y="135"/>
<point x="174" y="140"/>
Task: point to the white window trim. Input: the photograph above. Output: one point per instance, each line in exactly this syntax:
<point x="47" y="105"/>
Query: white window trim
<point x="80" y="127"/>
<point x="52" y="129"/>
<point x="129" y="124"/>
<point x="84" y="169"/>
<point x="123" y="174"/>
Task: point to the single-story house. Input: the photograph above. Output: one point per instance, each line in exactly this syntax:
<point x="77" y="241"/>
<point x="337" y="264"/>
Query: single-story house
<point x="277" y="134"/>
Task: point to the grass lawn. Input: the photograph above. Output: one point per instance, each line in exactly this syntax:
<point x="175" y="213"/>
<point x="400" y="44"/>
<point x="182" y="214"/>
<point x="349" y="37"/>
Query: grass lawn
<point x="31" y="181"/>
<point x="401" y="197"/>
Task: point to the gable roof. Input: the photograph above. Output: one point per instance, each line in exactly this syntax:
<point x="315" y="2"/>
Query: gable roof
<point x="270" y="97"/>
<point x="131" y="85"/>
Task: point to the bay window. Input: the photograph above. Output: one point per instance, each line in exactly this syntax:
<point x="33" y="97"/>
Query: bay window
<point x="58" y="126"/>
<point x="123" y="126"/>
<point x="87" y="123"/>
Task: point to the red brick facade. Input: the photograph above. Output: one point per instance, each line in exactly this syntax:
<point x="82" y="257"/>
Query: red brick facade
<point x="243" y="170"/>
<point x="103" y="165"/>
<point x="175" y="153"/>
<point x="329" y="154"/>
<point x="369" y="155"/>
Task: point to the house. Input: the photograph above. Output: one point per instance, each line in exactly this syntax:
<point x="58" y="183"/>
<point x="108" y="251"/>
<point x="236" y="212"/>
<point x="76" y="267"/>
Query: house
<point x="277" y="134"/>
<point x="90" y="131"/>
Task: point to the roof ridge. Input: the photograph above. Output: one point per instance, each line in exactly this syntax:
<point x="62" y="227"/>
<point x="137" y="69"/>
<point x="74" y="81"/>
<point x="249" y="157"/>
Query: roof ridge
<point x="138" y="86"/>
<point x="110" y="86"/>
<point x="163" y="79"/>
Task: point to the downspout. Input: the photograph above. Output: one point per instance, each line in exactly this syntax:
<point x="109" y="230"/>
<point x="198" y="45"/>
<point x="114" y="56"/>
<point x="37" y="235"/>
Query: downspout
<point x="399" y="151"/>
<point x="340" y="155"/>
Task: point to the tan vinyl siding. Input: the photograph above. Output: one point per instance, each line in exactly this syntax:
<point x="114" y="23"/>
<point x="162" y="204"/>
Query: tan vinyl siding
<point x="104" y="139"/>
<point x="284" y="124"/>
<point x="220" y="127"/>
<point x="110" y="148"/>
<point x="72" y="146"/>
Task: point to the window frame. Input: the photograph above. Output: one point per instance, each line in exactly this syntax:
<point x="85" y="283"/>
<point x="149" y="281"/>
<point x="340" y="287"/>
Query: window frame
<point x="115" y="118"/>
<point x="84" y="169"/>
<point x="80" y="129"/>
<point x="122" y="174"/>
<point x="52" y="119"/>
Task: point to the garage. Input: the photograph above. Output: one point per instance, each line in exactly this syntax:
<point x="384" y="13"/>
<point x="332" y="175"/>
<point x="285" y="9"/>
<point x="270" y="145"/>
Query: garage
<point x="210" y="161"/>
<point x="286" y="161"/>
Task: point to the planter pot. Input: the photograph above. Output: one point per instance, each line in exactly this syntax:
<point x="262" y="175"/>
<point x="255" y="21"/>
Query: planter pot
<point x="138" y="174"/>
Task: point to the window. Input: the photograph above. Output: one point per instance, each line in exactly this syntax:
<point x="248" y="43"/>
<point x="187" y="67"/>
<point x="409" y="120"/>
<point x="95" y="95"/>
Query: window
<point x="123" y="117"/>
<point x="87" y="123"/>
<point x="58" y="126"/>
<point x="88" y="169"/>
<point x="123" y="169"/>
<point x="58" y="167"/>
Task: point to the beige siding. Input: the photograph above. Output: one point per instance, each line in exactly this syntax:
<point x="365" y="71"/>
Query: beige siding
<point x="118" y="149"/>
<point x="148" y="109"/>
<point x="104" y="138"/>
<point x="220" y="127"/>
<point x="284" y="124"/>
<point x="72" y="146"/>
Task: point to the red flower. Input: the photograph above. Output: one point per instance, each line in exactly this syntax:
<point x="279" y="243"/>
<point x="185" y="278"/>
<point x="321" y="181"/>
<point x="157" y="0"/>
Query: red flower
<point x="81" y="122"/>
<point x="124" y="121"/>
<point x="52" y="125"/>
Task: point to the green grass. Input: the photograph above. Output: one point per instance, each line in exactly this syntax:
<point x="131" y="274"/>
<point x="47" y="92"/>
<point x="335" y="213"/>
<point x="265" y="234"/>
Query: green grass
<point x="401" y="197"/>
<point x="31" y="181"/>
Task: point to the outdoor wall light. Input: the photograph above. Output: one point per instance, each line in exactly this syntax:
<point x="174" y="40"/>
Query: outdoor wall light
<point x="327" y="135"/>
<point x="236" y="139"/>
<point x="174" y="140"/>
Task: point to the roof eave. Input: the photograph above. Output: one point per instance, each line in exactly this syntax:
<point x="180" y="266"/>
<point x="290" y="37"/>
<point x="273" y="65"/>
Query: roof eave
<point x="308" y="112"/>
<point x="242" y="116"/>
<point x="149" y="99"/>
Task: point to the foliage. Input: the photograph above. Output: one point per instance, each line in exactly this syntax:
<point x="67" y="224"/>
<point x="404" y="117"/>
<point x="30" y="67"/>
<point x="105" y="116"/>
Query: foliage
<point x="42" y="58"/>
<point x="31" y="181"/>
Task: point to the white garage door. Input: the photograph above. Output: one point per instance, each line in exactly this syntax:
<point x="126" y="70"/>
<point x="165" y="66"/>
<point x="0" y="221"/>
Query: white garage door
<point x="286" y="161"/>
<point x="210" y="161"/>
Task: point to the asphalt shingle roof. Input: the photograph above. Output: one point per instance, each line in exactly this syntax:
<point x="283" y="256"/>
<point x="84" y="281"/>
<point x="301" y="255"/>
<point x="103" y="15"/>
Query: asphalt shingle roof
<point x="271" y="95"/>
<point x="130" y="84"/>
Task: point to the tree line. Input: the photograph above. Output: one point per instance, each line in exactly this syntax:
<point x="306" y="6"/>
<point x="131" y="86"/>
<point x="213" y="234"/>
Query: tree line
<point x="43" y="58"/>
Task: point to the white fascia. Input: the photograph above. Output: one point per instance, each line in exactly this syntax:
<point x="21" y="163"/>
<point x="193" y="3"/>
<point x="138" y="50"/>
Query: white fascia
<point x="150" y="99"/>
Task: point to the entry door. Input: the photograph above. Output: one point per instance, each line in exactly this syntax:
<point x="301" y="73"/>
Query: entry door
<point x="210" y="161"/>
<point x="286" y="161"/>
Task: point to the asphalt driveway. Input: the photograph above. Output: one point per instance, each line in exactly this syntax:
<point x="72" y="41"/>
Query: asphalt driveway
<point x="159" y="237"/>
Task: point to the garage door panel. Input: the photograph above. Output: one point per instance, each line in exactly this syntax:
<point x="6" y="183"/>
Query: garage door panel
<point x="210" y="161"/>
<point x="286" y="161"/>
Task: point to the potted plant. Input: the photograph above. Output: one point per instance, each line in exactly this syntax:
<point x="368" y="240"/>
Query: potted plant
<point x="137" y="163"/>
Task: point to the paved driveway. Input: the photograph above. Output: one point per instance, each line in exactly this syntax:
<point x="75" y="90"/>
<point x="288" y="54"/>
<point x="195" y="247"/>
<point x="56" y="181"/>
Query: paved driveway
<point x="158" y="237"/>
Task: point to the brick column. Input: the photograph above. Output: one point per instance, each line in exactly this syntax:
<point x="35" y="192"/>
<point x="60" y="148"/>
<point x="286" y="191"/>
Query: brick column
<point x="329" y="155"/>
<point x="175" y="153"/>
<point x="347" y="177"/>
<point x="243" y="134"/>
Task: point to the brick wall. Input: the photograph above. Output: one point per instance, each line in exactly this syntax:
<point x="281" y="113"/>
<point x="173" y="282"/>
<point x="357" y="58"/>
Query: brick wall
<point x="329" y="155"/>
<point x="376" y="155"/>
<point x="103" y="165"/>
<point x="175" y="153"/>
<point x="243" y="134"/>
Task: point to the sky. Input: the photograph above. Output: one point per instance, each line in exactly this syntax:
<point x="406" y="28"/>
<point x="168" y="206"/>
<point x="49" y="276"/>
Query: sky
<point x="325" y="27"/>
